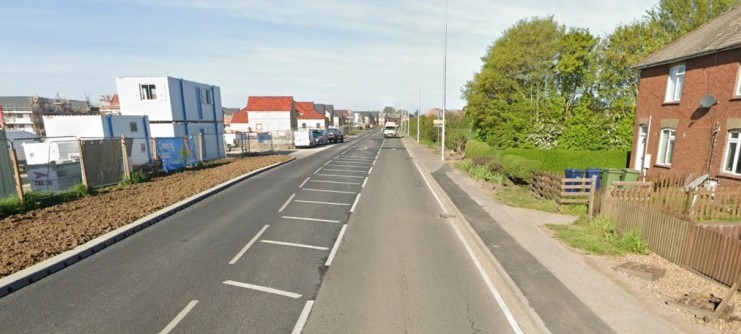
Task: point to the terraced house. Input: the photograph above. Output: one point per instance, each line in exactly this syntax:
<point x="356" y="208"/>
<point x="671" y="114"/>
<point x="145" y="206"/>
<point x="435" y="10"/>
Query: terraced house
<point x="688" y="114"/>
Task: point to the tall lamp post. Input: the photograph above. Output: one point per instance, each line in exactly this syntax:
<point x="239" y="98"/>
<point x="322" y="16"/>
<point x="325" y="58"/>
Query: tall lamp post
<point x="445" y="63"/>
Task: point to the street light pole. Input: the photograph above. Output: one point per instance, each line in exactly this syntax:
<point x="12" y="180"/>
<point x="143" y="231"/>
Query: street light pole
<point x="445" y="72"/>
<point x="419" y="103"/>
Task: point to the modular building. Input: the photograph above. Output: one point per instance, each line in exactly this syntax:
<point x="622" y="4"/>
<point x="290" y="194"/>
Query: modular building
<point x="176" y="108"/>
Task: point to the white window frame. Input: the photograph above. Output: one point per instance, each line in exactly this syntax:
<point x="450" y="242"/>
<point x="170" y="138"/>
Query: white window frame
<point x="736" y="155"/>
<point x="148" y="91"/>
<point x="675" y="84"/>
<point x="668" y="139"/>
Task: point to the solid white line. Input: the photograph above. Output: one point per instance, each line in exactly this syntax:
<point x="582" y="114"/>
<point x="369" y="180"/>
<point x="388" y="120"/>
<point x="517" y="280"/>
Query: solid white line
<point x="336" y="246"/>
<point x="343" y="170"/>
<point x="364" y="182"/>
<point x="353" y="159"/>
<point x="317" y="171"/>
<point x="355" y="203"/>
<point x="302" y="184"/>
<point x="311" y="219"/>
<point x="292" y="244"/>
<point x="286" y="203"/>
<point x="507" y="313"/>
<point x="374" y="163"/>
<point x="263" y="289"/>
<point x="304" y="316"/>
<point x="337" y="175"/>
<point x="315" y="202"/>
<point x="179" y="317"/>
<point x="321" y="181"/>
<point x="331" y="191"/>
<point x="328" y="162"/>
<point x="439" y="202"/>
<point x="370" y="170"/>
<point x="249" y="244"/>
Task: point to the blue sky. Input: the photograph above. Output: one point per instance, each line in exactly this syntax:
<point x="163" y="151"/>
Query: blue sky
<point x="359" y="55"/>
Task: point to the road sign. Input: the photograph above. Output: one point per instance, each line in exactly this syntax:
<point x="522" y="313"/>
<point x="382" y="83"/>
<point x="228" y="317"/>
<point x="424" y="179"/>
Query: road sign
<point x="437" y="122"/>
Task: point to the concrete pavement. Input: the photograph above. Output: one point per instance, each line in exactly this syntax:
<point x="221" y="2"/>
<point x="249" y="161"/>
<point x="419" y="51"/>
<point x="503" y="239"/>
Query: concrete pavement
<point x="565" y="290"/>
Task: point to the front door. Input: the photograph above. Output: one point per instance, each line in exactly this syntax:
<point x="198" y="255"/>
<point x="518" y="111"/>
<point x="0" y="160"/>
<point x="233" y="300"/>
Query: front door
<point x="641" y="147"/>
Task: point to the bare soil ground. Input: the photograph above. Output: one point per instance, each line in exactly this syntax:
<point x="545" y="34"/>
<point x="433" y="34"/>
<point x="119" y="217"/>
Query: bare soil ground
<point x="32" y="237"/>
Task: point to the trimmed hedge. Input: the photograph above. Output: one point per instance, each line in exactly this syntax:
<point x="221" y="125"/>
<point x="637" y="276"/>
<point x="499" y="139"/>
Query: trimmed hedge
<point x="558" y="161"/>
<point x="518" y="163"/>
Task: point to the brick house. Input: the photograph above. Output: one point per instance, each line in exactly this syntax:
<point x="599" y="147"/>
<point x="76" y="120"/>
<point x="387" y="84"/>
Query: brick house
<point x="688" y="113"/>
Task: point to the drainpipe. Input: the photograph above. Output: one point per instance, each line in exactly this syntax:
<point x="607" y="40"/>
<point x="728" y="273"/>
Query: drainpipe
<point x="714" y="137"/>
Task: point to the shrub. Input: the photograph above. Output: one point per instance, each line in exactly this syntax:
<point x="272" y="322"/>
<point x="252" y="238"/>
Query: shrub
<point x="475" y="148"/>
<point x="558" y="161"/>
<point x="519" y="169"/>
<point x="136" y="177"/>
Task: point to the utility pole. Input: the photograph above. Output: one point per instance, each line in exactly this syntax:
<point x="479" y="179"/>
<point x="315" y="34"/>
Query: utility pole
<point x="445" y="73"/>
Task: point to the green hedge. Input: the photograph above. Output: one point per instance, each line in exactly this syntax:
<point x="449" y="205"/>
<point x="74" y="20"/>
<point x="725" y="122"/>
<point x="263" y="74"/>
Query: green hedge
<point x="518" y="163"/>
<point x="558" y="161"/>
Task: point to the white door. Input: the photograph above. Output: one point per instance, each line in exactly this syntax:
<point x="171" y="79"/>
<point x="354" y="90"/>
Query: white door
<point x="642" y="133"/>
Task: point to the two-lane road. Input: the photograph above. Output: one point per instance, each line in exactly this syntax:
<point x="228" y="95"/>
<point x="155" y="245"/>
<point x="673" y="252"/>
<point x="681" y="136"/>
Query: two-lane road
<point x="347" y="240"/>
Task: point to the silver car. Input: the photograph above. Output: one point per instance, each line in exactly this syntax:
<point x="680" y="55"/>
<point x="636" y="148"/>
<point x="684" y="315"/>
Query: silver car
<point x="320" y="136"/>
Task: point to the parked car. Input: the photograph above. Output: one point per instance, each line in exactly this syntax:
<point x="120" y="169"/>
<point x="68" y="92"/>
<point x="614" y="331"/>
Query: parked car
<point x="303" y="139"/>
<point x="320" y="136"/>
<point x="335" y="136"/>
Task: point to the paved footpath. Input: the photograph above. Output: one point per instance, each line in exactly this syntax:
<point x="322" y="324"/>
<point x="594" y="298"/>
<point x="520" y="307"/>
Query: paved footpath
<point x="568" y="293"/>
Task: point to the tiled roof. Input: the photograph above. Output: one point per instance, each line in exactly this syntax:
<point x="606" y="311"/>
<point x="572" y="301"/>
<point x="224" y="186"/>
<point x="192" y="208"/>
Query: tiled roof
<point x="240" y="117"/>
<point x="306" y="111"/>
<point x="346" y="113"/>
<point x="270" y="103"/>
<point x="114" y="100"/>
<point x="718" y="34"/>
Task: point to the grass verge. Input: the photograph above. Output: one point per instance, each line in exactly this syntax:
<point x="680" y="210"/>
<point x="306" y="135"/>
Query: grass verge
<point x="600" y="236"/>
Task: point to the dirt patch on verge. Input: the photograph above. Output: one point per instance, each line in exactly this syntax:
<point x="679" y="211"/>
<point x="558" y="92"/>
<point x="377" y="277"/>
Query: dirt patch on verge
<point x="32" y="237"/>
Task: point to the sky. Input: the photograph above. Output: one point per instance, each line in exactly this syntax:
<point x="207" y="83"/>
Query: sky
<point x="357" y="55"/>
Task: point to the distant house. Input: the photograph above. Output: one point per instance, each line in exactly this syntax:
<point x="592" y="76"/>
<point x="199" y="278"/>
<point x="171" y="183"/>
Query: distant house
<point x="176" y="108"/>
<point x="688" y="113"/>
<point x="109" y="105"/>
<point x="228" y="114"/>
<point x="338" y="120"/>
<point x="309" y="118"/>
<point x="272" y="113"/>
<point x="239" y="122"/>
<point x="364" y="119"/>
<point x="25" y="113"/>
<point x="106" y="126"/>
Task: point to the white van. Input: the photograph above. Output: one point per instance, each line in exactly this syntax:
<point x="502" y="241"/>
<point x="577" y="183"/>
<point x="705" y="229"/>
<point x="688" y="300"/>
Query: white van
<point x="303" y="139"/>
<point x="389" y="130"/>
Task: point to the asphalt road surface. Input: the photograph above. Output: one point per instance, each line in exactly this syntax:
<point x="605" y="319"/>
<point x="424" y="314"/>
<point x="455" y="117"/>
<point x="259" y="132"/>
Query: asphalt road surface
<point x="346" y="240"/>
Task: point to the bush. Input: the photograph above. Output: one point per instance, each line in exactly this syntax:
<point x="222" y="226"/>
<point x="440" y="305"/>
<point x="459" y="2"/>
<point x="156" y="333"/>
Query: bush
<point x="558" y="161"/>
<point x="136" y="177"/>
<point x="475" y="148"/>
<point x="519" y="169"/>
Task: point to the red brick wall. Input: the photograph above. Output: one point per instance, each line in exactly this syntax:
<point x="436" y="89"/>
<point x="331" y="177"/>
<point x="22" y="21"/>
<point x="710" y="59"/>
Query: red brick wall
<point x="714" y="74"/>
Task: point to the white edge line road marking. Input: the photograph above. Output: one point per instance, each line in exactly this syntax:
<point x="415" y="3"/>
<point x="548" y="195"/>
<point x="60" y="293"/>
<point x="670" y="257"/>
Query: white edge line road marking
<point x="263" y="289"/>
<point x="322" y="181"/>
<point x="286" y="203"/>
<point x="302" y="184"/>
<point x="331" y="191"/>
<point x="249" y="244"/>
<point x="311" y="219"/>
<point x="293" y="245"/>
<point x="337" y="175"/>
<point x="344" y="170"/>
<point x="179" y="317"/>
<point x="370" y="170"/>
<point x="366" y="180"/>
<point x="374" y="163"/>
<point x="317" y="171"/>
<point x="439" y="202"/>
<point x="507" y="313"/>
<point x="357" y="198"/>
<point x="315" y="202"/>
<point x="336" y="246"/>
<point x="301" y="322"/>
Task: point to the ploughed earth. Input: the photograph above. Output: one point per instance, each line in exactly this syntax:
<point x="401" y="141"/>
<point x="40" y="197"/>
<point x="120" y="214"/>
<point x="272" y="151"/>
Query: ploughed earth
<point x="29" y="238"/>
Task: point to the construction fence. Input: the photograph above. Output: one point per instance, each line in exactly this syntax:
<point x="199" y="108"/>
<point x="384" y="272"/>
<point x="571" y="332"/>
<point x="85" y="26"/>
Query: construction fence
<point x="252" y="142"/>
<point x="57" y="164"/>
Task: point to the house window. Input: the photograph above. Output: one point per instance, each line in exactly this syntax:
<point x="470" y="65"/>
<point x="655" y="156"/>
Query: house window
<point x="133" y="127"/>
<point x="318" y="126"/>
<point x="258" y="126"/>
<point x="303" y="125"/>
<point x="209" y="98"/>
<point x="738" y="84"/>
<point x="731" y="164"/>
<point x="148" y="92"/>
<point x="666" y="147"/>
<point x="675" y="84"/>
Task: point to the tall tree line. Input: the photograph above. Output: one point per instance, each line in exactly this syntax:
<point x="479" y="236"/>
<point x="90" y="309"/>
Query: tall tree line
<point x="545" y="85"/>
